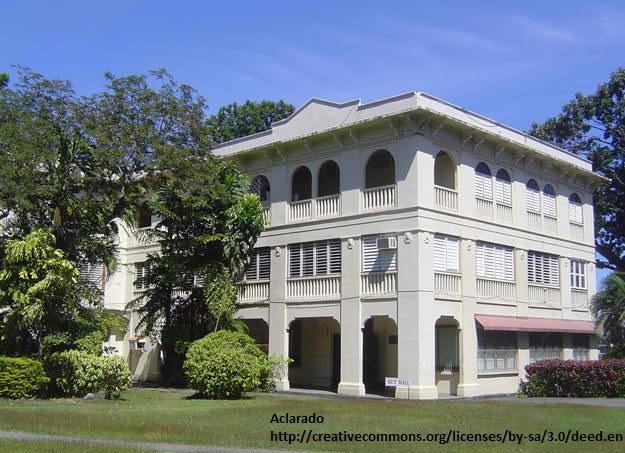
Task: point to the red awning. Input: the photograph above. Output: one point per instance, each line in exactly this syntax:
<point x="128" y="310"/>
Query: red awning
<point x="519" y="324"/>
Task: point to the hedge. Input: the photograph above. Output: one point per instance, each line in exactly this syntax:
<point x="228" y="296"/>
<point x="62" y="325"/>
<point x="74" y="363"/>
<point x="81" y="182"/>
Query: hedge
<point x="21" y="377"/>
<point x="571" y="378"/>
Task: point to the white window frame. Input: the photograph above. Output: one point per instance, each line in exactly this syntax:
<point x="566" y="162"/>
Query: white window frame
<point x="142" y="270"/>
<point x="446" y="254"/>
<point x="576" y="213"/>
<point x="483" y="183"/>
<point x="550" y="203"/>
<point x="503" y="189"/>
<point x="579" y="274"/>
<point x="543" y="269"/>
<point x="533" y="198"/>
<point x="494" y="261"/>
<point x="259" y="267"/>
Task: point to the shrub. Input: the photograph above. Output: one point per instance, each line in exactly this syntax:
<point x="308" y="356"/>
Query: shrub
<point x="225" y="364"/>
<point x="76" y="373"/>
<point x="21" y="377"/>
<point x="571" y="378"/>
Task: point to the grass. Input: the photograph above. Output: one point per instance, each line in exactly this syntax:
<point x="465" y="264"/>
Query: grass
<point x="23" y="446"/>
<point x="159" y="415"/>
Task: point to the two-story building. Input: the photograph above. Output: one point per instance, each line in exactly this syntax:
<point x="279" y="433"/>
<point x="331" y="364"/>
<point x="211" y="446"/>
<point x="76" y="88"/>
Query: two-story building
<point x="407" y="238"/>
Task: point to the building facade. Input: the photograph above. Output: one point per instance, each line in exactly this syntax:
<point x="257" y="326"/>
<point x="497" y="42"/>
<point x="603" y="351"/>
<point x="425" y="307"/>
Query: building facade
<point x="405" y="238"/>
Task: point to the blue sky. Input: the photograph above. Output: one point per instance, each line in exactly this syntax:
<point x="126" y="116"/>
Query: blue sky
<point x="514" y="61"/>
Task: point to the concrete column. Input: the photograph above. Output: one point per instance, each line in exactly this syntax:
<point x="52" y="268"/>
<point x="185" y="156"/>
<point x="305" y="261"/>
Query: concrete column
<point x="278" y="328"/>
<point x="520" y="271"/>
<point x="593" y="352"/>
<point x="565" y="287"/>
<point x="351" y="181"/>
<point x="468" y="385"/>
<point x="416" y="318"/>
<point x="280" y="193"/>
<point x="466" y="189"/>
<point x="523" y="352"/>
<point x="351" y="326"/>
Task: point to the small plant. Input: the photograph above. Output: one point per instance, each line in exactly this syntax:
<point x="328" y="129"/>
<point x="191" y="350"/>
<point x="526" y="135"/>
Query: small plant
<point x="21" y="377"/>
<point x="224" y="365"/>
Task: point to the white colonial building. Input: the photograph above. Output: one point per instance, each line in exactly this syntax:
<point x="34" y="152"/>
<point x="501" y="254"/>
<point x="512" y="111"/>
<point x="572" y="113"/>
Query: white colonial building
<point x="405" y="238"/>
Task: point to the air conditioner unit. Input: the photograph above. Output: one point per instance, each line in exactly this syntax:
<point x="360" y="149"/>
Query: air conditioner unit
<point x="388" y="243"/>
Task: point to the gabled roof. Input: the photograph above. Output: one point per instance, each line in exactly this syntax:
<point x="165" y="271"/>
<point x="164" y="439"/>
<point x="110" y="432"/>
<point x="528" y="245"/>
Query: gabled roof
<point x="319" y="116"/>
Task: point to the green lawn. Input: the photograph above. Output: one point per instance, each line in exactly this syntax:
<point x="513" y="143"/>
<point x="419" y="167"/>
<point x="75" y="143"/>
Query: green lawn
<point x="156" y="415"/>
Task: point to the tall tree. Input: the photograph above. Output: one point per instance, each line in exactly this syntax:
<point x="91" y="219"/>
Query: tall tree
<point x="593" y="126"/>
<point x="238" y="120"/>
<point x="4" y="79"/>
<point x="608" y="306"/>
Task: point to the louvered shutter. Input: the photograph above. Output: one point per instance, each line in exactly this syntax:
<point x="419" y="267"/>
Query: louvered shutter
<point x="264" y="263"/>
<point x="446" y="256"/>
<point x="251" y="273"/>
<point x="321" y="258"/>
<point x="374" y="260"/>
<point x="549" y="202"/>
<point x="533" y="199"/>
<point x="483" y="184"/>
<point x="575" y="212"/>
<point x="542" y="269"/>
<point x="503" y="189"/>
<point x="480" y="260"/>
<point x="295" y="256"/>
<point x="494" y="261"/>
<point x="308" y="259"/>
<point x="335" y="256"/>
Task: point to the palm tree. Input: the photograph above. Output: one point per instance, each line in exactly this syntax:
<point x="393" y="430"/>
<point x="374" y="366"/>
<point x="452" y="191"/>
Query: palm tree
<point x="608" y="306"/>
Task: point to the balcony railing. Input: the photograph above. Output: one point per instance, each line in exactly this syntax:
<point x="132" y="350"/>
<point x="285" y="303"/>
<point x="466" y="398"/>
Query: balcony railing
<point x="504" y="213"/>
<point x="534" y="220"/>
<point x="378" y="198"/>
<point x="579" y="299"/>
<point x="447" y="285"/>
<point x="140" y="237"/>
<point x="328" y="206"/>
<point x="484" y="208"/>
<point x="492" y="289"/>
<point x="543" y="294"/>
<point x="550" y="224"/>
<point x="378" y="284"/>
<point x="300" y="210"/>
<point x="446" y="199"/>
<point x="253" y="291"/>
<point x="327" y="287"/>
<point x="577" y="231"/>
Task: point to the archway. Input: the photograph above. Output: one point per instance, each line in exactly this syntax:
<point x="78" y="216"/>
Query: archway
<point x="380" y="170"/>
<point x="444" y="171"/>
<point x="379" y="355"/>
<point x="258" y="329"/>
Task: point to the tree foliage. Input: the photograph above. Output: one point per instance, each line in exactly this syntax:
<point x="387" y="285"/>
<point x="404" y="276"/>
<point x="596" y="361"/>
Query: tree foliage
<point x="238" y="120"/>
<point x="608" y="306"/>
<point x="593" y="126"/>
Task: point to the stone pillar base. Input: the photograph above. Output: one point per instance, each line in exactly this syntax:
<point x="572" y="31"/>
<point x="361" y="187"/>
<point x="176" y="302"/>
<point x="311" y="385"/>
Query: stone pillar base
<point x="424" y="392"/>
<point x="468" y="390"/>
<point x="351" y="389"/>
<point x="282" y="385"/>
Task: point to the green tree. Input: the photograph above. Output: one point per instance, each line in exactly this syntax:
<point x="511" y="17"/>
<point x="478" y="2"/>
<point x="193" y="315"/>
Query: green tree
<point x="238" y="120"/>
<point x="608" y="306"/>
<point x="593" y="126"/>
<point x="208" y="223"/>
<point x="4" y="79"/>
<point x="41" y="302"/>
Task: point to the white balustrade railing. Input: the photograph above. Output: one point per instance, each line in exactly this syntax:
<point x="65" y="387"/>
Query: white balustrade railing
<point x="267" y="215"/>
<point x="447" y="284"/>
<point x="504" y="213"/>
<point x="140" y="237"/>
<point x="446" y="199"/>
<point x="314" y="288"/>
<point x="253" y="291"/>
<point x="484" y="208"/>
<point x="534" y="220"/>
<point x="577" y="231"/>
<point x="300" y="210"/>
<point x="491" y="289"/>
<point x="550" y="224"/>
<point x="543" y="294"/>
<point x="328" y="206"/>
<point x="378" y="284"/>
<point x="579" y="299"/>
<point x="378" y="198"/>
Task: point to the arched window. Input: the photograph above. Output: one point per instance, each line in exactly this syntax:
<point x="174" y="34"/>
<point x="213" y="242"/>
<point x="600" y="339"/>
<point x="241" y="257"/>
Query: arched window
<point x="532" y="196"/>
<point x="380" y="170"/>
<point x="483" y="182"/>
<point x="301" y="186"/>
<point x="260" y="187"/>
<point x="444" y="171"/>
<point x="329" y="179"/>
<point x="575" y="209"/>
<point x="549" y="201"/>
<point x="503" y="188"/>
